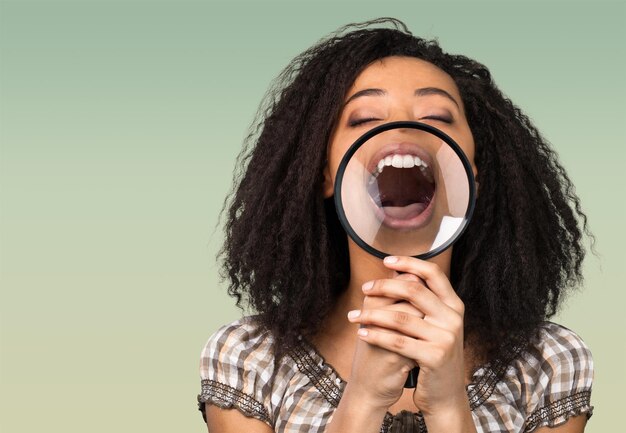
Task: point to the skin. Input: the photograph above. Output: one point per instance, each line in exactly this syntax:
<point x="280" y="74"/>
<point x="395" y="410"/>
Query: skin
<point x="395" y="315"/>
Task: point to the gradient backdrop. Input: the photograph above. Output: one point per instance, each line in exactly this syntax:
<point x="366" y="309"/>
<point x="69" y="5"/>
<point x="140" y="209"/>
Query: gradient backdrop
<point x="120" y="122"/>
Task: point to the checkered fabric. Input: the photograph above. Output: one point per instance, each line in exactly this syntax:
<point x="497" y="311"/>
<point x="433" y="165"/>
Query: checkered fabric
<point x="544" y="384"/>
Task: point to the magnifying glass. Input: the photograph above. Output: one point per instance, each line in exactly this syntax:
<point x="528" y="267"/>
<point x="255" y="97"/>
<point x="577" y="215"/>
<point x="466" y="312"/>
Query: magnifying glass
<point x="405" y="188"/>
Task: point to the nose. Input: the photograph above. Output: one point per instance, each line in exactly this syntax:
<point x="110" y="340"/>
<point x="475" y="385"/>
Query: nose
<point x="402" y="112"/>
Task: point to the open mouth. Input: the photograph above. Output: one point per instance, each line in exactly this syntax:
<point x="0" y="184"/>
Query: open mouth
<point x="402" y="188"/>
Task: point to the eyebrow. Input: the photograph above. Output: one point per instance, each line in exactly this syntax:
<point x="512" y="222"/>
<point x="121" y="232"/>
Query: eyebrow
<point x="424" y="91"/>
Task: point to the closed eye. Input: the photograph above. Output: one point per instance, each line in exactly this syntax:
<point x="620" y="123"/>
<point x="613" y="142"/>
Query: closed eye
<point x="357" y="122"/>
<point x="438" y="118"/>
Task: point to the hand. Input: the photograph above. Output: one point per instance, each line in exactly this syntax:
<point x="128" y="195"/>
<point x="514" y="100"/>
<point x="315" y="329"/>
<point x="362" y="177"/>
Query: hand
<point x="378" y="375"/>
<point x="434" y="341"/>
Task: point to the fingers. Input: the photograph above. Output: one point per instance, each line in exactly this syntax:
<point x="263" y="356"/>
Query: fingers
<point x="402" y="332"/>
<point x="402" y="321"/>
<point x="380" y="301"/>
<point x="429" y="316"/>
<point x="413" y="292"/>
<point x="433" y="276"/>
<point x="424" y="353"/>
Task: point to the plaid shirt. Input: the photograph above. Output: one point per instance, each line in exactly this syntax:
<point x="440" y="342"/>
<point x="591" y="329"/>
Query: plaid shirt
<point x="542" y="385"/>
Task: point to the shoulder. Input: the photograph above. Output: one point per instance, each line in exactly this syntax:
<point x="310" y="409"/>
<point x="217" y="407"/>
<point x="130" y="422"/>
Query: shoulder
<point x="234" y="344"/>
<point x="554" y="335"/>
<point x="559" y="354"/>
<point x="556" y="376"/>
<point x="547" y="380"/>
<point x="237" y="368"/>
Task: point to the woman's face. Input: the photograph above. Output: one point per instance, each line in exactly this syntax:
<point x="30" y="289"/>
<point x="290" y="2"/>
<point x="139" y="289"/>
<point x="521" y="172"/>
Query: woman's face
<point x="393" y="89"/>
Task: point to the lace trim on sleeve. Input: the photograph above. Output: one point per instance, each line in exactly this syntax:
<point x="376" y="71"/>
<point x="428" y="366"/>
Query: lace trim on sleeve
<point x="558" y="412"/>
<point x="227" y="397"/>
<point x="319" y="378"/>
<point x="386" y="425"/>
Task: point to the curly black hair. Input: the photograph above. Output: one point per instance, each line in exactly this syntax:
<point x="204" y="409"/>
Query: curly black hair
<point x="285" y="253"/>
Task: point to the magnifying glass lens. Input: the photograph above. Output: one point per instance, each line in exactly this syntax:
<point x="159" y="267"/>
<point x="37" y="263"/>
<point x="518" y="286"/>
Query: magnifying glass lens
<point x="404" y="189"/>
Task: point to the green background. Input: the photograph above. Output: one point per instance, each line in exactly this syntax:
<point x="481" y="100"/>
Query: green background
<point x="120" y="124"/>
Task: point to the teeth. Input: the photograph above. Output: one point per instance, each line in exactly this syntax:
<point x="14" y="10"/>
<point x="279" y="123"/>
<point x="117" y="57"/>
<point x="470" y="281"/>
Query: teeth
<point x="399" y="161"/>
<point x="408" y="161"/>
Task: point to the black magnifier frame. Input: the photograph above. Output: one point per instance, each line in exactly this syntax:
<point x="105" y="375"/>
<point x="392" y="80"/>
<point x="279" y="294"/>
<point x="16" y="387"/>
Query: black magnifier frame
<point x="398" y="125"/>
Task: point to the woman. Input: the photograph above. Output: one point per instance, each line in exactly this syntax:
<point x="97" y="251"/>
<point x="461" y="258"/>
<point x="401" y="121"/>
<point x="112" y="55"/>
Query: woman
<point x="337" y="329"/>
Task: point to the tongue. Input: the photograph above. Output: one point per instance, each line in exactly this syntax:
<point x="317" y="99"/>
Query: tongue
<point x="404" y="212"/>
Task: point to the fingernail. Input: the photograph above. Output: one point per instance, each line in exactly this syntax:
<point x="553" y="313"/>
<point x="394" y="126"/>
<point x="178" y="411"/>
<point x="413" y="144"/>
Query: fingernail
<point x="354" y="314"/>
<point x="368" y="286"/>
<point x="362" y="332"/>
<point x="390" y="259"/>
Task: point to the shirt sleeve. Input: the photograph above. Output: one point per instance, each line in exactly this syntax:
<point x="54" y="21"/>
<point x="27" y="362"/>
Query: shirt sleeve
<point x="560" y="379"/>
<point x="236" y="366"/>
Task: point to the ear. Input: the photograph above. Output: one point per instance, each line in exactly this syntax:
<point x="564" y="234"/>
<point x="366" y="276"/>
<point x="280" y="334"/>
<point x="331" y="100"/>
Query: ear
<point x="327" y="185"/>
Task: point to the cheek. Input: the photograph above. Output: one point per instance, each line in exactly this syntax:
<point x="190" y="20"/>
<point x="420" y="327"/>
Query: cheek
<point x="469" y="148"/>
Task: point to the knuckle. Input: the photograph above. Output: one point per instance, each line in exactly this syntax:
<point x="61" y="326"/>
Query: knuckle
<point x="456" y="324"/>
<point x="412" y="292"/>
<point x="409" y="277"/>
<point x="365" y="315"/>
<point x="407" y="367"/>
<point x="458" y="306"/>
<point x="398" y="342"/>
<point x="438" y="356"/>
<point x="400" y="317"/>
<point x="448" y="338"/>
<point x="433" y="267"/>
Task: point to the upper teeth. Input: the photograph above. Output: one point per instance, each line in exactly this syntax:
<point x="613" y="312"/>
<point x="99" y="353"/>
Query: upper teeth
<point x="399" y="161"/>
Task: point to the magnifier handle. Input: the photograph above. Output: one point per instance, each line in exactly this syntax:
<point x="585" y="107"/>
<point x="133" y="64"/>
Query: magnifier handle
<point x="411" y="380"/>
